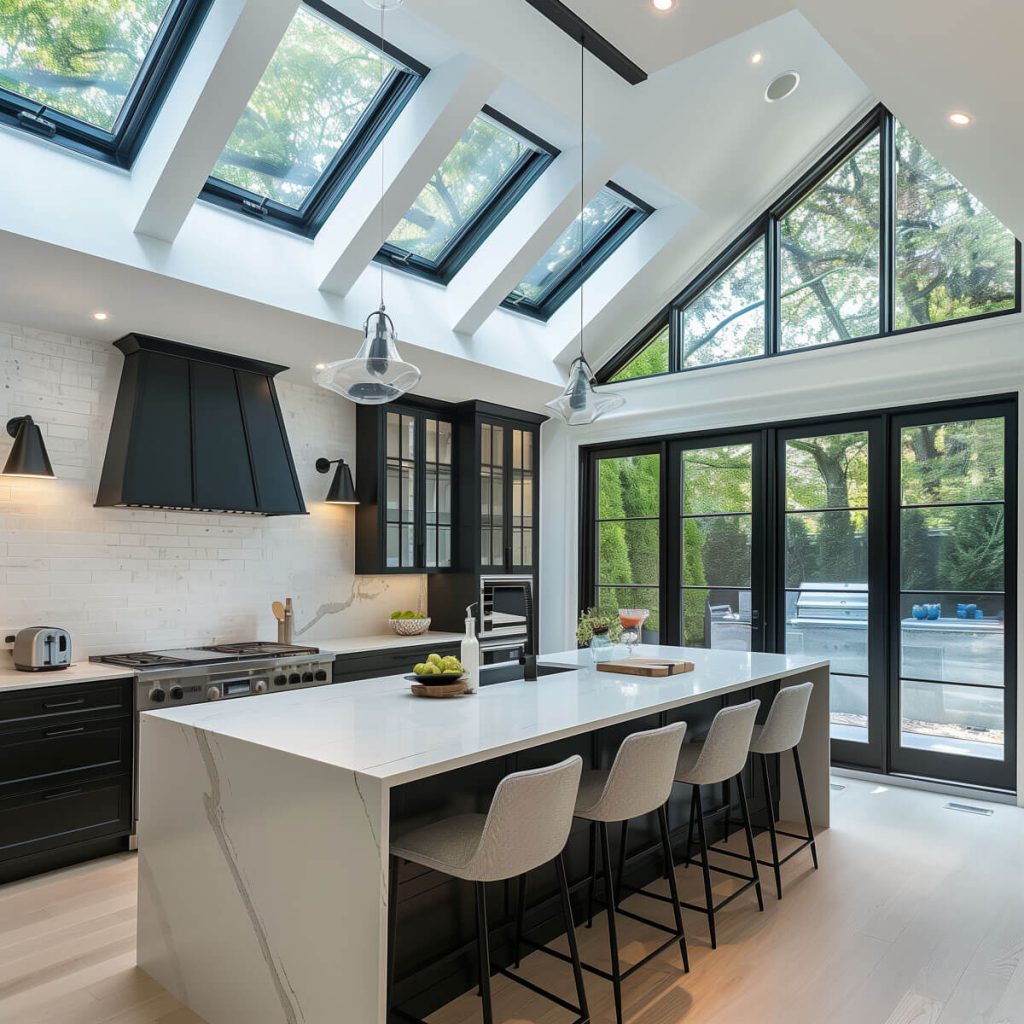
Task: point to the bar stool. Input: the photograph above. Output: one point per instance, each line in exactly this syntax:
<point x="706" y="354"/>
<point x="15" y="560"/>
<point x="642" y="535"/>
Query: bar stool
<point x="782" y="731"/>
<point x="526" y="826"/>
<point x="719" y="758"/>
<point x="639" y="782"/>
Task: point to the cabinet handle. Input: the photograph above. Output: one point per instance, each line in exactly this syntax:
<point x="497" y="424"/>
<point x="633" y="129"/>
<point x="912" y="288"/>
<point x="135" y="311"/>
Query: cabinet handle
<point x="77" y="702"/>
<point x="64" y="732"/>
<point x="63" y="793"/>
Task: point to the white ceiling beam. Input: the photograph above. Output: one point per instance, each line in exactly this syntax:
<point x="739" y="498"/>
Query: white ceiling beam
<point x="441" y="109"/>
<point x="525" y="234"/>
<point x="614" y="305"/>
<point x="221" y="72"/>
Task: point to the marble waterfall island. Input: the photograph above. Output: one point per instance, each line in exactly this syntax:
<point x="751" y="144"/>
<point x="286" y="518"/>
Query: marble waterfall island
<point x="265" y="822"/>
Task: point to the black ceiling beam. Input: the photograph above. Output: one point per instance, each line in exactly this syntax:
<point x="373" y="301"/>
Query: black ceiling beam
<point x="573" y="25"/>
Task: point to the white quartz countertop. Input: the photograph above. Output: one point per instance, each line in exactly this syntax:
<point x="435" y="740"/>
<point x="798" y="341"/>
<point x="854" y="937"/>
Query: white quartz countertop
<point x="78" y="672"/>
<point x="376" y="727"/>
<point x="381" y="642"/>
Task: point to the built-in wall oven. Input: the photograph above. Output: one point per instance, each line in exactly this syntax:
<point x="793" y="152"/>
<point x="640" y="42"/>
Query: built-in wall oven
<point x="506" y="616"/>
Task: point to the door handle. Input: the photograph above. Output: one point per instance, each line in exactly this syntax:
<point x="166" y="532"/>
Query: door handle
<point x="77" y="702"/>
<point x="64" y="732"/>
<point x="63" y="793"/>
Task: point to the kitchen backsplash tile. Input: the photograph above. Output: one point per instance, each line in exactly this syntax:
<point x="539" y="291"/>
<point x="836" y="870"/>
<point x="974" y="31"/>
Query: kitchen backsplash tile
<point x="130" y="579"/>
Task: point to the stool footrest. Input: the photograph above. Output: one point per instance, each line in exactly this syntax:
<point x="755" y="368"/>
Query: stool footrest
<point x="600" y="971"/>
<point x="581" y="1018"/>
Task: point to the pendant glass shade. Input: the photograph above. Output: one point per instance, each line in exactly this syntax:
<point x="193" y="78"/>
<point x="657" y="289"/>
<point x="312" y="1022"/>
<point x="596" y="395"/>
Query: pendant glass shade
<point x="343" y="489"/>
<point x="377" y="374"/>
<point x="28" y="455"/>
<point x="581" y="402"/>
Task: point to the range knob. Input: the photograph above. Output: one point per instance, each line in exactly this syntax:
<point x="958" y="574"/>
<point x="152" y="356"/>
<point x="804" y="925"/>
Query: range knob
<point x="213" y="693"/>
<point x="177" y="693"/>
<point x="280" y="680"/>
<point x="307" y="677"/>
<point x="157" y="696"/>
<point x="260" y="686"/>
<point x="294" y="678"/>
<point x="321" y="675"/>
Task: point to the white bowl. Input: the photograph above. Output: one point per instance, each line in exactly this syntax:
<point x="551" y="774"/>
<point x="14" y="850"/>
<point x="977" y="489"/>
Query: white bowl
<point x="409" y="627"/>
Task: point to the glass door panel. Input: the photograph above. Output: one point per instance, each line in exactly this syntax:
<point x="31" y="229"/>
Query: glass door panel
<point x="438" y="497"/>
<point x="523" y="473"/>
<point x="400" y="512"/>
<point x="826" y="572"/>
<point x="716" y="537"/>
<point x="492" y="496"/>
<point x="950" y="713"/>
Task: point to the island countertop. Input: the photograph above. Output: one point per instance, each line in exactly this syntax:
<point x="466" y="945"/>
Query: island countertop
<point x="376" y="728"/>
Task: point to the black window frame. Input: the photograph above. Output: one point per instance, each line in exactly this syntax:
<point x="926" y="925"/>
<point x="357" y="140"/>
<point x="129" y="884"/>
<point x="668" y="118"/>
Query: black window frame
<point x="474" y="232"/>
<point x="579" y="269"/>
<point x="364" y="138"/>
<point x="153" y="82"/>
<point x="879" y="121"/>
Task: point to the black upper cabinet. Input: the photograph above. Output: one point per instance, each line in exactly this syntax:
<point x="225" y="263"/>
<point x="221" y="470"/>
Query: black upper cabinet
<point x="406" y="488"/>
<point x="446" y="487"/>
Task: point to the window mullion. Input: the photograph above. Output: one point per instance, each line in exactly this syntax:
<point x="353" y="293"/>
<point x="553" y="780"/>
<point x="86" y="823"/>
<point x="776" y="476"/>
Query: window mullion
<point x="773" y="286"/>
<point x="887" y="242"/>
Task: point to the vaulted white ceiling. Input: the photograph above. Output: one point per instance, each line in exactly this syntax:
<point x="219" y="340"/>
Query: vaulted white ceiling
<point x="696" y="141"/>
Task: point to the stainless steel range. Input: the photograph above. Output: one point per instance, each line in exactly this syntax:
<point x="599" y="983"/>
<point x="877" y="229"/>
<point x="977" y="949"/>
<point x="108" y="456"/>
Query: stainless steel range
<point x="166" y="679"/>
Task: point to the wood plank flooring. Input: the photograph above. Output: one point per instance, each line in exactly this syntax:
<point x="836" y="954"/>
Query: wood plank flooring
<point x="916" y="917"/>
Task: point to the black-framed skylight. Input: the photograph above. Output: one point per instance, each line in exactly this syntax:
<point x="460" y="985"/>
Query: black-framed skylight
<point x="875" y="240"/>
<point x="478" y="182"/>
<point x="608" y="220"/>
<point x="326" y="99"/>
<point x="92" y="74"/>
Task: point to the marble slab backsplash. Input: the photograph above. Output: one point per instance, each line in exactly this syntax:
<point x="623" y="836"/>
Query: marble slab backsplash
<point x="135" y="579"/>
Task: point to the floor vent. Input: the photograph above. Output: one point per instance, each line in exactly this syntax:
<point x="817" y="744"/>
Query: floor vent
<point x="836" y="787"/>
<point x="985" y="812"/>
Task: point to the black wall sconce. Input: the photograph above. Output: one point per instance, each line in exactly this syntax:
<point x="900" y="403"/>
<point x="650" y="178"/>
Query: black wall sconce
<point x="28" y="455"/>
<point x="343" y="490"/>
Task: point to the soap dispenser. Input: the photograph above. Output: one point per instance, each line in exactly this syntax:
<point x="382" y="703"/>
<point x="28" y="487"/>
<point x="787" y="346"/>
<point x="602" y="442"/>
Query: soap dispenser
<point x="469" y="654"/>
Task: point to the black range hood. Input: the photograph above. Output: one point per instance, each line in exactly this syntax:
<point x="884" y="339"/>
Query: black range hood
<point x="199" y="431"/>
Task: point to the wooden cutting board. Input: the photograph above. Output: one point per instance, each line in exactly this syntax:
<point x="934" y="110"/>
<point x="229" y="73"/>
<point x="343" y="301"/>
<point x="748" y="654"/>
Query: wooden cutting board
<point x="646" y="666"/>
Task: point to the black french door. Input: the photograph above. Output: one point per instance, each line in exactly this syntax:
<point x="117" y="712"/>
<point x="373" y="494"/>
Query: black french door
<point x="885" y="542"/>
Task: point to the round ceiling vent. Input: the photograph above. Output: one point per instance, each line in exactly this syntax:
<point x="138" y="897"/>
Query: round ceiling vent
<point x="782" y="86"/>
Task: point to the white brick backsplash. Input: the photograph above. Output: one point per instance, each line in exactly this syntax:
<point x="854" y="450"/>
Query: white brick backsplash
<point x="124" y="579"/>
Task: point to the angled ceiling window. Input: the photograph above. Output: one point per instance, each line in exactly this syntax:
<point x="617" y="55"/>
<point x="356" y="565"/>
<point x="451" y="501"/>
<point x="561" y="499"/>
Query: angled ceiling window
<point x="326" y="99"/>
<point x="91" y="74"/>
<point x="480" y="180"/>
<point x="874" y="240"/>
<point x="651" y="358"/>
<point x="607" y="221"/>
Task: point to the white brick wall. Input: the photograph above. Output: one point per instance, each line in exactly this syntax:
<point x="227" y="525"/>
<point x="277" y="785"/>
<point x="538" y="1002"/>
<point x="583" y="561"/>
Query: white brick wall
<point x="122" y="579"/>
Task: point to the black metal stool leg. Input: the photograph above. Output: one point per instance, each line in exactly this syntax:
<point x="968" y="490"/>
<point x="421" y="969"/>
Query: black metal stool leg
<point x="622" y="861"/>
<point x="673" y="888"/>
<point x="483" y="951"/>
<point x="689" y="834"/>
<point x="613" y="940"/>
<point x="750" y="841"/>
<point x="803" y="801"/>
<point x="570" y="934"/>
<point x="393" y="865"/>
<point x="520" y="915"/>
<point x="592" y="883"/>
<point x="765" y="778"/>
<point x="727" y="799"/>
<point x="708" y="898"/>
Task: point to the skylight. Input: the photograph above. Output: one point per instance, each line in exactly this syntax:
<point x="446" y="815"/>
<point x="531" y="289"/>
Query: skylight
<point x="91" y="74"/>
<point x="322" y="105"/>
<point x="607" y="221"/>
<point x="480" y="180"/>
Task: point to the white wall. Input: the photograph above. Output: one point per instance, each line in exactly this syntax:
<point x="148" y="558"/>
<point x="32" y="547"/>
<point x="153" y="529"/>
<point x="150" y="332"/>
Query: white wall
<point x="947" y="363"/>
<point x="124" y="579"/>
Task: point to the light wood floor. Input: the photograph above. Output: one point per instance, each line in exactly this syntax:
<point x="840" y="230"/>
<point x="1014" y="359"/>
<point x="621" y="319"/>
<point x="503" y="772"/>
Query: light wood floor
<point x="916" y="917"/>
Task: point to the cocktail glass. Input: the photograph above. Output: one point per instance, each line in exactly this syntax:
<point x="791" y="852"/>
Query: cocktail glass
<point x="632" y="620"/>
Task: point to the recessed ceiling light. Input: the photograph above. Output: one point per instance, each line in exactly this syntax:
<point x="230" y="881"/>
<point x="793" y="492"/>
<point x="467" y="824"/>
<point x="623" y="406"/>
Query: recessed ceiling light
<point x="320" y="366"/>
<point x="782" y="86"/>
<point x="960" y="119"/>
<point x="663" y="5"/>
<point x="100" y="315"/>
<point x="756" y="58"/>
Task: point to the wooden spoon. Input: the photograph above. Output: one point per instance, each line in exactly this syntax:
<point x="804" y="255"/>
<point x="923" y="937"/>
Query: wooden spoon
<point x="278" y="609"/>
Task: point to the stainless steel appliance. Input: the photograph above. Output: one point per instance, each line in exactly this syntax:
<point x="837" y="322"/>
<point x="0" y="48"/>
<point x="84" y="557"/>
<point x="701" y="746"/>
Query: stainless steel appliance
<point x="42" y="649"/>
<point x="505" y="603"/>
<point x="172" y="678"/>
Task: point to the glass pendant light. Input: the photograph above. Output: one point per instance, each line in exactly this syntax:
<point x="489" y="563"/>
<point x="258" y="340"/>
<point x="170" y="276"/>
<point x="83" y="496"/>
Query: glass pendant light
<point x="581" y="401"/>
<point x="377" y="373"/>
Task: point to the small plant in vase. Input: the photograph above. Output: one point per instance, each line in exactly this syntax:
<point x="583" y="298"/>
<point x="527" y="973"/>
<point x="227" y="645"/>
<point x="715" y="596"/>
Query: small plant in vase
<point x="594" y="622"/>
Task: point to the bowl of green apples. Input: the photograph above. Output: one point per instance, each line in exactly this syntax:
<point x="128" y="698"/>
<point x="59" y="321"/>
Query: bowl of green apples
<point x="437" y="671"/>
<point x="409" y="623"/>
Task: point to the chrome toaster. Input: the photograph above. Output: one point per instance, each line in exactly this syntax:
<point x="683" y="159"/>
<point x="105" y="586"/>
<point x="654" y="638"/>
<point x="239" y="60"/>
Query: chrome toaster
<point x="42" y="648"/>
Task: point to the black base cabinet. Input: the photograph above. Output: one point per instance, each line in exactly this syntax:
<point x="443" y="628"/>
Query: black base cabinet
<point x="66" y="756"/>
<point x="370" y="664"/>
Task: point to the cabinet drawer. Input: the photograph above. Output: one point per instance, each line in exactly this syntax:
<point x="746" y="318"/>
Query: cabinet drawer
<point x="64" y="814"/>
<point x="24" y="707"/>
<point x="350" y="667"/>
<point x="66" y="752"/>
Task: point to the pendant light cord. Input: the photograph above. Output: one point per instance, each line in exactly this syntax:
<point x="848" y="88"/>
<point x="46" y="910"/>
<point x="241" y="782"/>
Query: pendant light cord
<point x="382" y="143"/>
<point x="579" y="254"/>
